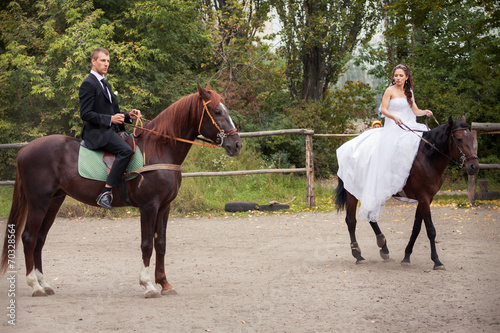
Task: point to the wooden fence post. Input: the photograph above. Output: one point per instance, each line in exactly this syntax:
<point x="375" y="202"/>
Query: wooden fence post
<point x="310" y="199"/>
<point x="471" y="186"/>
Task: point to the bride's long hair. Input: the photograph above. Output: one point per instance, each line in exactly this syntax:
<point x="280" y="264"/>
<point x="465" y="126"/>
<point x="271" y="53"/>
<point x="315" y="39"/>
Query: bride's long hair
<point x="408" y="86"/>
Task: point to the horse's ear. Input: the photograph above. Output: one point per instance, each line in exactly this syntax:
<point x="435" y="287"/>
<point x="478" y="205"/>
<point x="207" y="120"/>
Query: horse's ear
<point x="208" y="87"/>
<point x="450" y="123"/>
<point x="203" y="93"/>
<point x="463" y="118"/>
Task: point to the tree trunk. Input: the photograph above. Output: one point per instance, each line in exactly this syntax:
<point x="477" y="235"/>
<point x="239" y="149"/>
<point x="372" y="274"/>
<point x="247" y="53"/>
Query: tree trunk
<point x="314" y="74"/>
<point x="387" y="26"/>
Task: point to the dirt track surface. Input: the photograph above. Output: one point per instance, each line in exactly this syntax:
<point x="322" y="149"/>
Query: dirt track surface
<point x="286" y="273"/>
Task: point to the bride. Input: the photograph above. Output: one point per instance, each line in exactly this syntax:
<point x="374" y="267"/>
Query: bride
<point x="375" y="165"/>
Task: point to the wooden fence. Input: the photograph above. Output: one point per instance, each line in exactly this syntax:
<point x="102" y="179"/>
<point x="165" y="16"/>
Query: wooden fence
<point x="481" y="128"/>
<point x="309" y="169"/>
<point x="476" y="128"/>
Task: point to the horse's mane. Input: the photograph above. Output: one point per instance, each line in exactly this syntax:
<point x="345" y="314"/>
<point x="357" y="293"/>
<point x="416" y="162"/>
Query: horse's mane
<point x="171" y="121"/>
<point x="439" y="136"/>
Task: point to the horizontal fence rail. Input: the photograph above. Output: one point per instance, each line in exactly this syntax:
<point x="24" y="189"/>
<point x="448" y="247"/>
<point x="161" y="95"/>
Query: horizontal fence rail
<point x="335" y="135"/>
<point x="13" y="145"/>
<point x="241" y="172"/>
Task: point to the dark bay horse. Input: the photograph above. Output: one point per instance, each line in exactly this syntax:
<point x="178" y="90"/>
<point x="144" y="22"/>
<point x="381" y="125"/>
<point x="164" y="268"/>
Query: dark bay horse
<point x="47" y="171"/>
<point x="450" y="141"/>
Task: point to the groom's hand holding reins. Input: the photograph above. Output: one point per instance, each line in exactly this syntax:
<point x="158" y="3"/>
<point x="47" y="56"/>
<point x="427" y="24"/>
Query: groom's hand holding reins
<point x="118" y="118"/>
<point x="135" y="114"/>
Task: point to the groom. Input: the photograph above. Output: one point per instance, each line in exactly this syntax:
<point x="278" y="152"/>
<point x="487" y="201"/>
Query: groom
<point x="102" y="120"/>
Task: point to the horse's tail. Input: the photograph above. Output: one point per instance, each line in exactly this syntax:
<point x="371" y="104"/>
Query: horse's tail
<point x="340" y="196"/>
<point x="15" y="224"/>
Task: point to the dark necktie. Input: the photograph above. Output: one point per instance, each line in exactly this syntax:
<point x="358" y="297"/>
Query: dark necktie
<point x="105" y="85"/>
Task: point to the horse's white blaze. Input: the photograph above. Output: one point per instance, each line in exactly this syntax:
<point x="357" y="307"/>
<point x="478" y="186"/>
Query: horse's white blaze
<point x="145" y="279"/>
<point x="41" y="279"/>
<point x="230" y="120"/>
<point x="32" y="280"/>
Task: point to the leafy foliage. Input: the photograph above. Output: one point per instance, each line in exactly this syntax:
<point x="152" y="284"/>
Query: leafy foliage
<point x="453" y="48"/>
<point x="319" y="37"/>
<point x="244" y="65"/>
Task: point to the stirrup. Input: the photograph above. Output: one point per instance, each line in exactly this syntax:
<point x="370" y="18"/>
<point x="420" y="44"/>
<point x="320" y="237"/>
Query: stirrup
<point x="104" y="199"/>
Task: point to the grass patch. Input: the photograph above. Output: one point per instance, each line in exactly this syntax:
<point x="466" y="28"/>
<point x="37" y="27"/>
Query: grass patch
<point x="461" y="201"/>
<point x="5" y="200"/>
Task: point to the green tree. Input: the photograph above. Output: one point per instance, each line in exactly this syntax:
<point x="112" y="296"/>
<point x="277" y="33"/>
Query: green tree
<point x="47" y="45"/>
<point x="46" y="52"/>
<point x="172" y="50"/>
<point x="244" y="64"/>
<point x="319" y="37"/>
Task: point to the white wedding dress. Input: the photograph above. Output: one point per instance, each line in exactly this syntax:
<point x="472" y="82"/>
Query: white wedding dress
<point x="376" y="164"/>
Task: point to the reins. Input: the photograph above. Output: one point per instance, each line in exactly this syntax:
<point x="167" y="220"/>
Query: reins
<point x="463" y="158"/>
<point x="221" y="135"/>
<point x="138" y="125"/>
<point x="437" y="122"/>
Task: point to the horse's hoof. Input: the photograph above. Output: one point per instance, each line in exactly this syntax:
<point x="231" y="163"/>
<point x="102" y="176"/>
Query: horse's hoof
<point x="38" y="293"/>
<point x="152" y="294"/>
<point x="384" y="256"/>
<point x="169" y="292"/>
<point x="405" y="263"/>
<point x="439" y="268"/>
<point x="360" y="261"/>
<point x="49" y="291"/>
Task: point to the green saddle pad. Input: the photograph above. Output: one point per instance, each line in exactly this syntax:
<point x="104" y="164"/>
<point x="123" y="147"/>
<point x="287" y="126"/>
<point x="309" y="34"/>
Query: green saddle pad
<point x="91" y="165"/>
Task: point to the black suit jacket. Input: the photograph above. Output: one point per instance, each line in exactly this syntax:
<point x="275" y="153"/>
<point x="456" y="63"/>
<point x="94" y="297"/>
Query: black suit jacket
<point x="96" y="111"/>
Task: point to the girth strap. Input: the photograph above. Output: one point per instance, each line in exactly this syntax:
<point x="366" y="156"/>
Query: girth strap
<point x="153" y="167"/>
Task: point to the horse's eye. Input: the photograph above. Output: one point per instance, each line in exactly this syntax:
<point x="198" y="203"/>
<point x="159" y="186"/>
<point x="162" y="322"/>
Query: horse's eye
<point x="218" y="113"/>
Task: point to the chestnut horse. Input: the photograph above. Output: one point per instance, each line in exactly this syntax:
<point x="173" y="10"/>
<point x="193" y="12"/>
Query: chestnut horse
<point x="47" y="171"/>
<point x="450" y="141"/>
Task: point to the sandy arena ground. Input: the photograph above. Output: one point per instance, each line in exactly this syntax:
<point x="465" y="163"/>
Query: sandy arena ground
<point x="284" y="273"/>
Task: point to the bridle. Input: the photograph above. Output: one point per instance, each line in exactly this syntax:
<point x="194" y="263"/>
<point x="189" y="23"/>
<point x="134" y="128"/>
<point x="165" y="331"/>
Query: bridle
<point x="463" y="158"/>
<point x="221" y="135"/>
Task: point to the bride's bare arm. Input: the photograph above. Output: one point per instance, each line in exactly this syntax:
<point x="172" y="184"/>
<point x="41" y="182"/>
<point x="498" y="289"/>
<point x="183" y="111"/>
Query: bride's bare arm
<point x="419" y="112"/>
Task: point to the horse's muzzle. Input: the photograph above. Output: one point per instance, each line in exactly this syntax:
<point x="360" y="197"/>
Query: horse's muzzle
<point x="232" y="144"/>
<point x="472" y="166"/>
